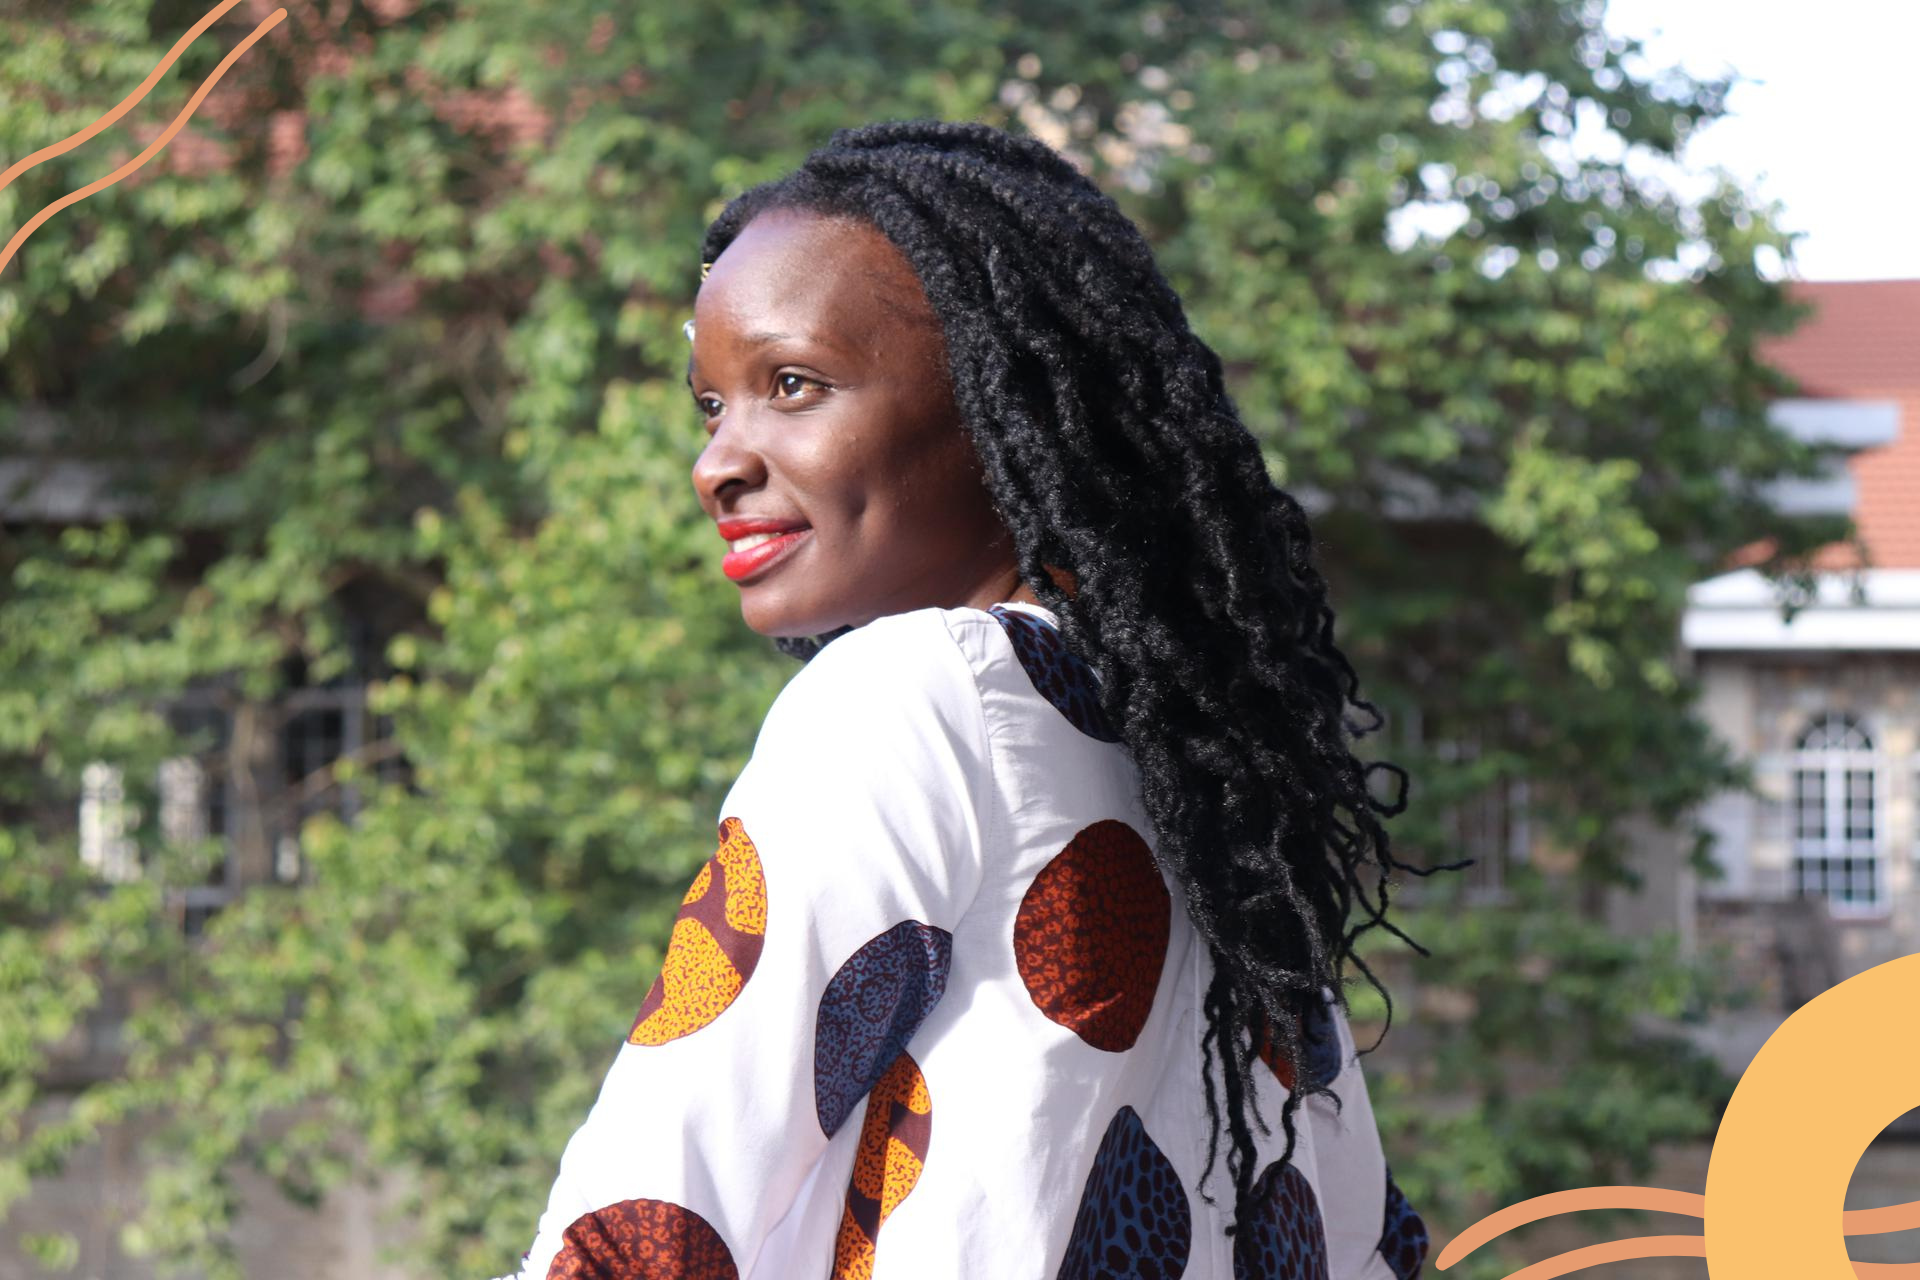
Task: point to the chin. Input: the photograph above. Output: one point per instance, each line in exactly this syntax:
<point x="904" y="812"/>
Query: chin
<point x="777" y="620"/>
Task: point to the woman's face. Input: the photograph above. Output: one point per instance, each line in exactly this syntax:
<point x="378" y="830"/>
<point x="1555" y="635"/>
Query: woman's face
<point x="820" y="369"/>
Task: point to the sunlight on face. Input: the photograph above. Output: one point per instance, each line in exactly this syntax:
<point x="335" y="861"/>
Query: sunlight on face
<point x="837" y="468"/>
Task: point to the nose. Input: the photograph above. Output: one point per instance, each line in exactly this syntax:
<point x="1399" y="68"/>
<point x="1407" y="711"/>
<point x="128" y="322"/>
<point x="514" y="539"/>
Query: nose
<point x="729" y="460"/>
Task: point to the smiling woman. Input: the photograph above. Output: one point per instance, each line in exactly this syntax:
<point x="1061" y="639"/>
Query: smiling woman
<point x="1034" y="895"/>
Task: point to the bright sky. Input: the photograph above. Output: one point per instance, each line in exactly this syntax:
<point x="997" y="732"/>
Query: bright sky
<point x="1826" y="124"/>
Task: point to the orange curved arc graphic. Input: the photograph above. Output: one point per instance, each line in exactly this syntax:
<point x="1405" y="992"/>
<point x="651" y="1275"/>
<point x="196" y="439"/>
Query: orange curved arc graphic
<point x="1690" y="1246"/>
<point x="125" y="105"/>
<point x="1593" y="1255"/>
<point x="1854" y="1222"/>
<point x="1556" y="1203"/>
<point x="158" y="144"/>
<point x="1873" y="1222"/>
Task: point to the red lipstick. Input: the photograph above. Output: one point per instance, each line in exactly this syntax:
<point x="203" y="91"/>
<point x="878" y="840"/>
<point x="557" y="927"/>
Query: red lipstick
<point x="750" y="561"/>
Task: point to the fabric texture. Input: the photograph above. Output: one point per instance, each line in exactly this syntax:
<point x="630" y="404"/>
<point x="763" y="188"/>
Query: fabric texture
<point x="931" y="1011"/>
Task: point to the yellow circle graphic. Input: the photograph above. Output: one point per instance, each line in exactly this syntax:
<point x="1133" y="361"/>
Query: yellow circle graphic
<point x="1824" y="1085"/>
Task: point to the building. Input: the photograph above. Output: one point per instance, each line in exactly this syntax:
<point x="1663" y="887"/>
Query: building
<point x="1822" y="865"/>
<point x="250" y="771"/>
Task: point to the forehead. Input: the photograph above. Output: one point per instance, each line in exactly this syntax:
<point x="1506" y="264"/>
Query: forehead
<point x="791" y="268"/>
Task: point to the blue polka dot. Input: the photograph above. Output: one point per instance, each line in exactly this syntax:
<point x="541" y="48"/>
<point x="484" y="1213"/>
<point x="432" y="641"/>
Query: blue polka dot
<point x="1403" y="1236"/>
<point x="1134" y="1221"/>
<point x="1059" y="675"/>
<point x="870" y="1010"/>
<point x="1287" y="1240"/>
<point x="1322" y="1048"/>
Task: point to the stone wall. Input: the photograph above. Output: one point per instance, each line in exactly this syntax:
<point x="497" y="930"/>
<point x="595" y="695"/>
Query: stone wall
<point x="101" y="1190"/>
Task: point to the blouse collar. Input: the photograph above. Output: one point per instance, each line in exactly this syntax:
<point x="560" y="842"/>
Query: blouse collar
<point x="1041" y="612"/>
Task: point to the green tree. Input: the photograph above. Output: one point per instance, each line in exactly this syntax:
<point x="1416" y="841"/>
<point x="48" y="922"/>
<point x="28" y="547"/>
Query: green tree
<point x="394" y="328"/>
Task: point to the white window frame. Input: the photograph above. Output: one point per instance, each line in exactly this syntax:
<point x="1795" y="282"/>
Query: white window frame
<point x="1836" y="748"/>
<point x="106" y="822"/>
<point x="195" y="904"/>
<point x="183" y="788"/>
<point x="347" y="699"/>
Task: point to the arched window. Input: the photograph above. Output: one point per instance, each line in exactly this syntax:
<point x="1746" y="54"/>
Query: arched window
<point x="1836" y="815"/>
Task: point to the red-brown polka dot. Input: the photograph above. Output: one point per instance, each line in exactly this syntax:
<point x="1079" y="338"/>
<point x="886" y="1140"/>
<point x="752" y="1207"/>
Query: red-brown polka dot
<point x="1091" y="936"/>
<point x="642" y="1240"/>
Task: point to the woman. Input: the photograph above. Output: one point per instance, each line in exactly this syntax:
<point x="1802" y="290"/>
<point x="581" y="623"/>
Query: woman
<point x="1032" y="897"/>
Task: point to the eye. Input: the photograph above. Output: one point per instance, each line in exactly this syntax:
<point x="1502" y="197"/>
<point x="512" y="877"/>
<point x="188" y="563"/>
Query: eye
<point x="702" y="403"/>
<point x="781" y="380"/>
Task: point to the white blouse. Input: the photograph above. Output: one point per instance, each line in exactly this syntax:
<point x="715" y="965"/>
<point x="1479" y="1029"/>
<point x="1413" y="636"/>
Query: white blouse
<point x="932" y="1012"/>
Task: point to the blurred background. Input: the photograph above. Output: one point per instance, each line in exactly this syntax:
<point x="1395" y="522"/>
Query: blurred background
<point x="368" y="687"/>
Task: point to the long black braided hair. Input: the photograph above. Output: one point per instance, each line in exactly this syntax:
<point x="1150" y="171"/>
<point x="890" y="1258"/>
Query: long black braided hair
<point x="1112" y="450"/>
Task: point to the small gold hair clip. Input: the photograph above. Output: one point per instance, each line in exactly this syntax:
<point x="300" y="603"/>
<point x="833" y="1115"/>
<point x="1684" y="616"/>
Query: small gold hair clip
<point x="704" y="268"/>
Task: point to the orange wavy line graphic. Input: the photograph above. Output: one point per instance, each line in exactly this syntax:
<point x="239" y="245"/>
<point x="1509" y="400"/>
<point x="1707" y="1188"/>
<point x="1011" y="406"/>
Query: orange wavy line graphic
<point x="1873" y="1222"/>
<point x="1854" y="1222"/>
<point x="1559" y="1202"/>
<point x="158" y="145"/>
<point x="1613" y="1251"/>
<point x="126" y="104"/>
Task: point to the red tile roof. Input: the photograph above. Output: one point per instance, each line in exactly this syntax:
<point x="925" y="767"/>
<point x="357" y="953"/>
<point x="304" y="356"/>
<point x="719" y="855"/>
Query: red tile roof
<point x="1862" y="342"/>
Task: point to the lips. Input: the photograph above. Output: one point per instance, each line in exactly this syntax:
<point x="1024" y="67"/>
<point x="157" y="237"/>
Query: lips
<point x="774" y="541"/>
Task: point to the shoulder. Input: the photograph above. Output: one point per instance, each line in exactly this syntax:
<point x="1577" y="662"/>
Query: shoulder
<point x="880" y="740"/>
<point x="963" y="678"/>
<point x="900" y="680"/>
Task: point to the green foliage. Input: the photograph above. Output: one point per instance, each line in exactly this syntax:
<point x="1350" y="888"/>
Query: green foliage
<point x="394" y="330"/>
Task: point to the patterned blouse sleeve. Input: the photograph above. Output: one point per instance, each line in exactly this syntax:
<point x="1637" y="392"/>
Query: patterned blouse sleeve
<point x="807" y="952"/>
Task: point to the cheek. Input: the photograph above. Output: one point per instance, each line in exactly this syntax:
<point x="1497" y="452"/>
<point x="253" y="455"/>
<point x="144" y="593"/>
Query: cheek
<point x="913" y="481"/>
<point x="905" y="476"/>
<point x="834" y="475"/>
<point x="949" y="478"/>
<point x="937" y="515"/>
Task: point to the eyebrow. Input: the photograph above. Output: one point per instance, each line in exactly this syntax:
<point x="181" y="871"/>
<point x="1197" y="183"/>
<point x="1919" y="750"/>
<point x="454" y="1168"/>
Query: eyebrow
<point x="767" y="338"/>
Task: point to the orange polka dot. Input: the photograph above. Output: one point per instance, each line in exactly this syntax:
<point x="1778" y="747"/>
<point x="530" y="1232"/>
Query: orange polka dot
<point x="697" y="983"/>
<point x="886" y="1165"/>
<point x="746" y="886"/>
<point x="715" y="944"/>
